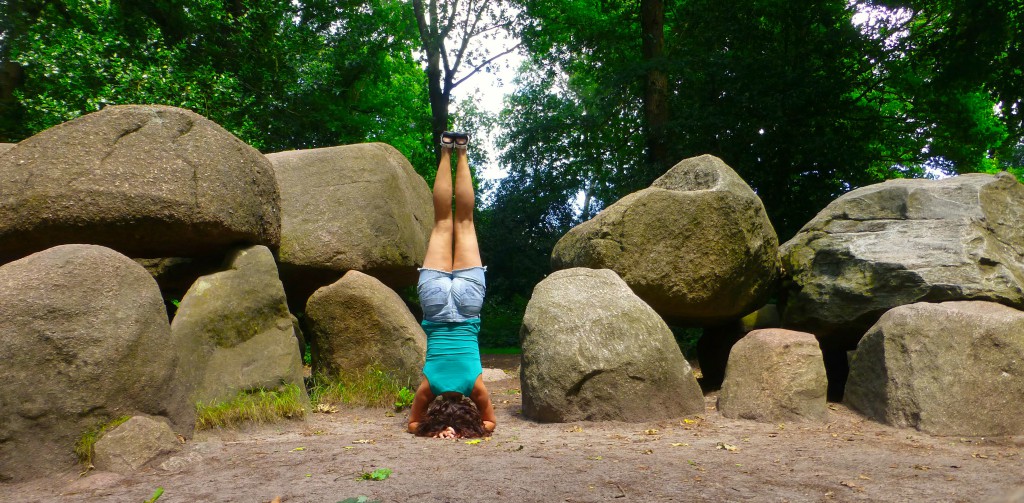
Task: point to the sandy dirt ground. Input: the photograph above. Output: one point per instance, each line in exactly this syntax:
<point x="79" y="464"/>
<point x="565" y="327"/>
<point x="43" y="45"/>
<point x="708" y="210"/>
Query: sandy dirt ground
<point x="699" y="458"/>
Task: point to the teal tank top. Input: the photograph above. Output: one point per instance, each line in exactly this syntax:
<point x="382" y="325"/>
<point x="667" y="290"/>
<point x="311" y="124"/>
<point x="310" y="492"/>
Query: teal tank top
<point x="453" y="355"/>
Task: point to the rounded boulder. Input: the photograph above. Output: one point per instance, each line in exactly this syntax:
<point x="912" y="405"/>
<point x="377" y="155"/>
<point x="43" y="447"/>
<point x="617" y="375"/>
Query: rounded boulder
<point x="354" y="207"/>
<point x="592" y="350"/>
<point x="775" y="375"/>
<point x="696" y="245"/>
<point x="900" y="242"/>
<point x="86" y="340"/>
<point x="146" y="180"/>
<point x="952" y="368"/>
<point x="358" y="323"/>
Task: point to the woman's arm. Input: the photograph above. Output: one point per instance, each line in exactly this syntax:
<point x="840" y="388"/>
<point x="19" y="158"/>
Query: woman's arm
<point x="482" y="398"/>
<point x="420" y="402"/>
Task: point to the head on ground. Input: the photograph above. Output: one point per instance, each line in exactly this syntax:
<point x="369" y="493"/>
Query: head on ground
<point x="455" y="411"/>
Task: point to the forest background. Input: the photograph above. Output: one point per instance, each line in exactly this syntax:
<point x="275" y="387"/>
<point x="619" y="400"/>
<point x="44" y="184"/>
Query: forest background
<point x="805" y="99"/>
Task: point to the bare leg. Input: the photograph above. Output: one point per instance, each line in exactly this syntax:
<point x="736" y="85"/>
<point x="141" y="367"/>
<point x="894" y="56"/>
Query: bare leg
<point x="467" y="251"/>
<point x="439" y="248"/>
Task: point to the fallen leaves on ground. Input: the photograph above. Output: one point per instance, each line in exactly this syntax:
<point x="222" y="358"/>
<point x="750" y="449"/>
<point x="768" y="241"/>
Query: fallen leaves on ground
<point x="326" y="408"/>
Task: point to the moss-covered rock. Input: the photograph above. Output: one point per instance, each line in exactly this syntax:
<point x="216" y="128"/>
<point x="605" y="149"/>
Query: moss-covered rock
<point x="696" y="245"/>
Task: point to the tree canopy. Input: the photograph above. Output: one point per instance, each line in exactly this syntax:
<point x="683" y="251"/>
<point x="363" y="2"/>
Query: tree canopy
<point x="280" y="74"/>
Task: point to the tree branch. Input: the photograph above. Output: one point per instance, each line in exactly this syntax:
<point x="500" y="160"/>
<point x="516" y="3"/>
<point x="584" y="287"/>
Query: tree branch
<point x="467" y="34"/>
<point x="451" y="18"/>
<point x="485" y="63"/>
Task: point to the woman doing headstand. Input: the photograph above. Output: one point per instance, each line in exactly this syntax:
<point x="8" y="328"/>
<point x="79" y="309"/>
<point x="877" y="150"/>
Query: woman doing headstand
<point x="451" y="289"/>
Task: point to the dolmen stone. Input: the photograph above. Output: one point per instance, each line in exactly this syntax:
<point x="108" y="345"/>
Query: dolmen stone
<point x="593" y="351"/>
<point x="146" y="180"/>
<point x="696" y="245"/>
<point x="85" y="340"/>
<point x="950" y="368"/>
<point x="901" y="242"/>
<point x="775" y="375"/>
<point x="355" y="207"/>
<point x="133" y="444"/>
<point x="358" y="323"/>
<point x="239" y="328"/>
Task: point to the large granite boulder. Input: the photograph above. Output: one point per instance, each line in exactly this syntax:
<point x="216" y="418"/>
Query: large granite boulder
<point x="592" y="350"/>
<point x="905" y="241"/>
<point x="696" y="245"/>
<point x="134" y="443"/>
<point x="775" y="375"/>
<point x="85" y="339"/>
<point x="4" y="147"/>
<point x="953" y="368"/>
<point x="357" y="323"/>
<point x="148" y="181"/>
<point x="355" y="207"/>
<point x="238" y="323"/>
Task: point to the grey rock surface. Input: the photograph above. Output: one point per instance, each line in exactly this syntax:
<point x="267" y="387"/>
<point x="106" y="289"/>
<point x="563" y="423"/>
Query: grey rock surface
<point x="952" y="368"/>
<point x="85" y="340"/>
<point x="131" y="445"/>
<point x="238" y="323"/>
<point x="354" y="207"/>
<point x="146" y="180"/>
<point x="592" y="350"/>
<point x="696" y="245"/>
<point x="358" y="322"/>
<point x="901" y="242"/>
<point x="775" y="375"/>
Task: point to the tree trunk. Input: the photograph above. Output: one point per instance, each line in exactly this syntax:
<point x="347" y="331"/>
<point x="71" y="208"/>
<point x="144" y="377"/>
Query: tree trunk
<point x="656" y="114"/>
<point x="438" y="84"/>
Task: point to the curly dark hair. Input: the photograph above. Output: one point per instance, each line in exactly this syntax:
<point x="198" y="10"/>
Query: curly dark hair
<point x="454" y="410"/>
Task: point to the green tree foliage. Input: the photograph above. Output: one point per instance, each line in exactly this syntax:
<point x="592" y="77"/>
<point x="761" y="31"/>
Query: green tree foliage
<point x="956" y="68"/>
<point x="280" y="74"/>
<point x="802" y="101"/>
<point x="805" y="99"/>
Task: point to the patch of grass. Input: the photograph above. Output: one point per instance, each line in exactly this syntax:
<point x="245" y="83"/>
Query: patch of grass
<point x="255" y="406"/>
<point x="156" y="495"/>
<point x="370" y="387"/>
<point x="404" y="399"/>
<point x="84" y="446"/>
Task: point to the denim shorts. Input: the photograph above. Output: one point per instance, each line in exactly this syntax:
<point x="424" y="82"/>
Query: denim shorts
<point x="451" y="296"/>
